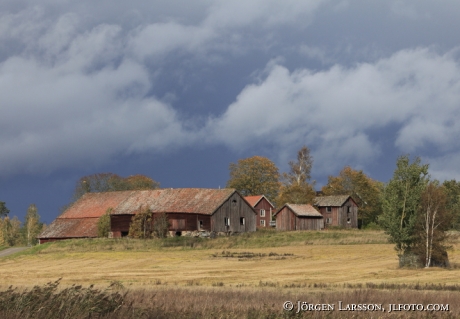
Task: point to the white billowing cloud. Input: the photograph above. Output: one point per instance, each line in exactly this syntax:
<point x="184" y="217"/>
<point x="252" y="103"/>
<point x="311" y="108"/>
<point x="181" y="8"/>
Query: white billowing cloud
<point x="162" y="38"/>
<point x="338" y="110"/>
<point x="74" y="105"/>
<point x="265" y="13"/>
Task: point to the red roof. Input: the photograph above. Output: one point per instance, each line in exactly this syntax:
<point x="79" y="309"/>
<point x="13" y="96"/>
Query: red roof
<point x="71" y="228"/>
<point x="180" y="200"/>
<point x="95" y="204"/>
<point x="80" y="220"/>
<point x="254" y="200"/>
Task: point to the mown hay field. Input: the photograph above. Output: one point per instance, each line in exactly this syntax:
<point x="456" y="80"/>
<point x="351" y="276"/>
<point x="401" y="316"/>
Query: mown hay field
<point x="246" y="276"/>
<point x="294" y="259"/>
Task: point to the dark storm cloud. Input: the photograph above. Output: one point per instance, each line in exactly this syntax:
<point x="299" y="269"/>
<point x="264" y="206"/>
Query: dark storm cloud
<point x="79" y="79"/>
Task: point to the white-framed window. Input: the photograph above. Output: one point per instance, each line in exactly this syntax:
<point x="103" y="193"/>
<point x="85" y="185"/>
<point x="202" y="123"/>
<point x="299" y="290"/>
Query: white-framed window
<point x="262" y="213"/>
<point x="328" y="209"/>
<point x="262" y="222"/>
<point x="349" y="220"/>
<point x="227" y="221"/>
<point x="348" y="209"/>
<point x="242" y="221"/>
<point x="328" y="220"/>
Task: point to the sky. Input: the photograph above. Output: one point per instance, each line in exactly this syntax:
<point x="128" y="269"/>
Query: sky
<point x="178" y="90"/>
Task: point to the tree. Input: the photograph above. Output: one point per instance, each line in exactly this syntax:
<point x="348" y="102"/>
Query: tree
<point x="103" y="225"/>
<point x="296" y="187"/>
<point x="365" y="191"/>
<point x="141" y="224"/>
<point x="11" y="230"/>
<point x="255" y="175"/>
<point x="160" y="225"/>
<point x="433" y="222"/>
<point x="32" y="225"/>
<point x="401" y="205"/>
<point x="4" y="211"/>
<point x="452" y="189"/>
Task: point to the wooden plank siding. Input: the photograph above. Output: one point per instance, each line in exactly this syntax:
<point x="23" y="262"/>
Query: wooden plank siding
<point x="234" y="209"/>
<point x="188" y="222"/>
<point x="287" y="220"/>
<point x="265" y="205"/>
<point x="345" y="216"/>
<point x="119" y="225"/>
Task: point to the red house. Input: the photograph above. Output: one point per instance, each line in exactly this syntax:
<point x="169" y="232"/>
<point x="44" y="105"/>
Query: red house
<point x="338" y="210"/>
<point x="263" y="208"/>
<point x="298" y="217"/>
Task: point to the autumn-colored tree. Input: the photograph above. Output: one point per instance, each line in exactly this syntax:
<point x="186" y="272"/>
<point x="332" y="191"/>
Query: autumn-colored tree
<point x="32" y="226"/>
<point x="4" y="211"/>
<point x="141" y="224"/>
<point x="296" y="187"/>
<point x="11" y="231"/>
<point x="365" y="191"/>
<point x="433" y="222"/>
<point x="255" y="175"/>
<point x="103" y="225"/>
<point x="160" y="225"/>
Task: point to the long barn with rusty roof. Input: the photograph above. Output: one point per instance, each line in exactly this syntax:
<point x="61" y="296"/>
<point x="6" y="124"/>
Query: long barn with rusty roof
<point x="187" y="209"/>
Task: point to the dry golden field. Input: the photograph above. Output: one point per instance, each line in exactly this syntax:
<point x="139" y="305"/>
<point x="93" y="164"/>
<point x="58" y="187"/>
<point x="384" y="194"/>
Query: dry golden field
<point x="246" y="276"/>
<point x="334" y="259"/>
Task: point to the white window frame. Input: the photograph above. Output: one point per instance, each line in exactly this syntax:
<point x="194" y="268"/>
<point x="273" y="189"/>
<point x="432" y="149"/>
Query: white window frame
<point x="242" y="221"/>
<point x="328" y="209"/>
<point x="227" y="221"/>
<point x="328" y="220"/>
<point x="262" y="222"/>
<point x="262" y="213"/>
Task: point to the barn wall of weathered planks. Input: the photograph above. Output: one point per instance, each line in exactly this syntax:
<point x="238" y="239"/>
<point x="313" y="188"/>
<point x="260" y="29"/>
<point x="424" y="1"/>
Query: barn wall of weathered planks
<point x="234" y="215"/>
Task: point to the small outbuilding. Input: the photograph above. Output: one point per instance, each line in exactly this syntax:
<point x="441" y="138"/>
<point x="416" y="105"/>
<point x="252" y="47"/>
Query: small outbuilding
<point x="298" y="217"/>
<point x="338" y="210"/>
<point x="264" y="209"/>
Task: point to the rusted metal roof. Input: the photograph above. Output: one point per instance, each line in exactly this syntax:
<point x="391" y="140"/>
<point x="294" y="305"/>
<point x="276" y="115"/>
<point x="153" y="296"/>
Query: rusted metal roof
<point x="80" y="220"/>
<point x="71" y="228"/>
<point x="335" y="200"/>
<point x="180" y="200"/>
<point x="95" y="204"/>
<point x="254" y="200"/>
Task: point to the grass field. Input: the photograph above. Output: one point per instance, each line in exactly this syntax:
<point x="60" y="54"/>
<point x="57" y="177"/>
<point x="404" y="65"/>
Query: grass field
<point x="327" y="265"/>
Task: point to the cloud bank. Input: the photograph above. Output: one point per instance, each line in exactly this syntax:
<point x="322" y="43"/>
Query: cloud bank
<point x="79" y="82"/>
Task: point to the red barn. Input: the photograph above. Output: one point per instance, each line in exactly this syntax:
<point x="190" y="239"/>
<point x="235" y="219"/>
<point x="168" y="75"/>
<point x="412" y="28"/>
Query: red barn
<point x="80" y="220"/>
<point x="263" y="208"/>
<point x="338" y="210"/>
<point x="187" y="209"/>
<point x="298" y="217"/>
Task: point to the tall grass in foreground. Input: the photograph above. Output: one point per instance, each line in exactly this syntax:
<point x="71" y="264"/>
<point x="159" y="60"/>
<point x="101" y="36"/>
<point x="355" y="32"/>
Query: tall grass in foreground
<point x="183" y="303"/>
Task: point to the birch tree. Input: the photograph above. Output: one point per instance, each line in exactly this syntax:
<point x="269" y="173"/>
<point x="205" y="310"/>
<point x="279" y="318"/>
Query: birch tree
<point x="32" y="225"/>
<point x="434" y="221"/>
<point x="296" y="187"/>
<point x="401" y="204"/>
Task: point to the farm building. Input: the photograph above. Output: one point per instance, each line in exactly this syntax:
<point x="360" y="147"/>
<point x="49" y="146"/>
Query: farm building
<point x="263" y="208"/>
<point x="339" y="210"/>
<point x="187" y="209"/>
<point x="298" y="217"/>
